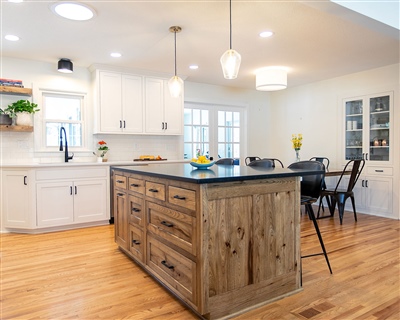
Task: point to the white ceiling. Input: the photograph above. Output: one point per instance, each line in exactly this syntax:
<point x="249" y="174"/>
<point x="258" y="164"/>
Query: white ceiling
<point x="316" y="39"/>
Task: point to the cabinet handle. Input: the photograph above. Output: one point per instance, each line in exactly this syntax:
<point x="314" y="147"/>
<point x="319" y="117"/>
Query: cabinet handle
<point x="124" y="124"/>
<point x="137" y="242"/>
<point x="120" y="124"/>
<point x="366" y="183"/>
<point x="120" y="194"/>
<point x="166" y="125"/>
<point x="165" y="263"/>
<point x="366" y="156"/>
<point x="120" y="181"/>
<point x="25" y="180"/>
<point x="162" y="125"/>
<point x="179" y="197"/>
<point x="153" y="190"/>
<point x="167" y="224"/>
<point x="70" y="190"/>
<point x="135" y="210"/>
<point x="362" y="183"/>
<point x="378" y="170"/>
<point x="363" y="156"/>
<point x="76" y="190"/>
<point x="134" y="185"/>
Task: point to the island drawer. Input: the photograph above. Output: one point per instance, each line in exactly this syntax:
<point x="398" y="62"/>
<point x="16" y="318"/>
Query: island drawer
<point x="136" y="185"/>
<point x="182" y="197"/>
<point x="120" y="181"/>
<point x="155" y="190"/>
<point x="136" y="210"/>
<point x="177" y="271"/>
<point x="173" y="226"/>
<point x="136" y="242"/>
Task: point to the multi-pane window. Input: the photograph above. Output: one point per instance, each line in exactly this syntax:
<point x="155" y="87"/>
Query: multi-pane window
<point x="212" y="131"/>
<point x="63" y="110"/>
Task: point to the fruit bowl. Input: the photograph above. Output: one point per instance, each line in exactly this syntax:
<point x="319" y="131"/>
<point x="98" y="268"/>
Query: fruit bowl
<point x="202" y="165"/>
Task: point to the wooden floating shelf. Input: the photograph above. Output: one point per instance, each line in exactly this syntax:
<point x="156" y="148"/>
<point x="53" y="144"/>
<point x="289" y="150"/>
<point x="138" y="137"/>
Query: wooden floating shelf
<point x="16" y="91"/>
<point x="16" y="128"/>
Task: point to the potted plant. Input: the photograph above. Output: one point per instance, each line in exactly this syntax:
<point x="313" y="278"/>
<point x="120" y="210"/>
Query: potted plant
<point x="22" y="110"/>
<point x="5" y="118"/>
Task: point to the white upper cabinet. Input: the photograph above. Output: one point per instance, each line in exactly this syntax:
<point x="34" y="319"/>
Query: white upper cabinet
<point x="136" y="104"/>
<point x="120" y="103"/>
<point x="164" y="114"/>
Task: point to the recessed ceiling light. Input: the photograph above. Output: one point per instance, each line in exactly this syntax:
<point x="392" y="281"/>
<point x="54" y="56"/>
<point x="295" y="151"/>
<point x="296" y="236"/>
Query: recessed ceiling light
<point x="16" y="1"/>
<point x="266" y="34"/>
<point x="11" y="37"/>
<point x="73" y="11"/>
<point x="115" y="55"/>
<point x="194" y="67"/>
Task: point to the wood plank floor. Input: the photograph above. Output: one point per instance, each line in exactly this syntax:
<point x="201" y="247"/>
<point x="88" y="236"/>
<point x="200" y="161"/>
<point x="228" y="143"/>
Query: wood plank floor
<point x="80" y="274"/>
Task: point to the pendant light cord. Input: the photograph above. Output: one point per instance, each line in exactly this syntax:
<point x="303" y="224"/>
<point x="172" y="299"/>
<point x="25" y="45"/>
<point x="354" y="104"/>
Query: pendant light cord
<point x="230" y="24"/>
<point x="175" y="52"/>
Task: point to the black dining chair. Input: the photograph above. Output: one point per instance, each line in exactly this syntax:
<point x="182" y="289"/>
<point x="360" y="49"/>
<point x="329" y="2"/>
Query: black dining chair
<point x="250" y="159"/>
<point x="310" y="188"/>
<point x="326" y="162"/>
<point x="340" y="195"/>
<point x="262" y="163"/>
<point x="275" y="160"/>
<point x="225" y="161"/>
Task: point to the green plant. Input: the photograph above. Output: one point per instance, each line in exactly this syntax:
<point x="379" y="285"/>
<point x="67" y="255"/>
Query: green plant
<point x="21" y="106"/>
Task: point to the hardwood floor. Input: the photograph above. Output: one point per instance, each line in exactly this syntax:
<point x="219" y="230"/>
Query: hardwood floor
<point x="81" y="274"/>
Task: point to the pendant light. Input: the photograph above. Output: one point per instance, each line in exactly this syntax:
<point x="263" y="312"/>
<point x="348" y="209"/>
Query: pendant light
<point x="175" y="84"/>
<point x="65" y="66"/>
<point x="230" y="60"/>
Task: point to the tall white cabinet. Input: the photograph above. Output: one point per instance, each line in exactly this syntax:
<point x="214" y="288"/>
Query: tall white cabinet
<point x="369" y="135"/>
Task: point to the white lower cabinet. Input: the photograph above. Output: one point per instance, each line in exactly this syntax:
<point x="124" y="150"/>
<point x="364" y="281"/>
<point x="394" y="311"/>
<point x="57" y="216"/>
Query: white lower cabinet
<point x="55" y="197"/>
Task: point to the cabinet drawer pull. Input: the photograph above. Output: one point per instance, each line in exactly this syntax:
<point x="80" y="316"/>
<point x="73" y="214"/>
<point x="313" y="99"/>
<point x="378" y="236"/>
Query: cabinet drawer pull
<point x="378" y="170"/>
<point x="70" y="190"/>
<point x="135" y="210"/>
<point x="362" y="183"/>
<point x="120" y="194"/>
<point x="137" y="242"/>
<point x="167" y="224"/>
<point x="153" y="190"/>
<point x="25" y="180"/>
<point x="366" y="183"/>
<point x="166" y="125"/>
<point x="120" y="181"/>
<point x="124" y="124"/>
<point x="162" y="126"/>
<point x="165" y="263"/>
<point x="120" y="124"/>
<point x="134" y="185"/>
<point x="179" y="197"/>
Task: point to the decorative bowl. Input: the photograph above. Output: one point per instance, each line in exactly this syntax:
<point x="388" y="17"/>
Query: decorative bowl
<point x="202" y="165"/>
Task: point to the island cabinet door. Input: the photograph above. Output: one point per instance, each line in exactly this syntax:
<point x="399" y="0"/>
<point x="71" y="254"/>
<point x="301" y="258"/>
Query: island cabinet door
<point x="252" y="245"/>
<point x="121" y="219"/>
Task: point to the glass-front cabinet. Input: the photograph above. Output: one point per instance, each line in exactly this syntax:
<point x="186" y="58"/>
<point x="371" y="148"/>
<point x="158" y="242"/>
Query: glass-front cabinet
<point x="368" y="127"/>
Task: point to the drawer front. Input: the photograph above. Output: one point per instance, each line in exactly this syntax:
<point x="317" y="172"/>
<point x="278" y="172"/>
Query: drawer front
<point x="173" y="226"/>
<point x="182" y="197"/>
<point x="380" y="171"/>
<point x="136" y="212"/>
<point x="120" y="181"/>
<point x="155" y="190"/>
<point x="173" y="268"/>
<point x="136" y="242"/>
<point x="136" y="185"/>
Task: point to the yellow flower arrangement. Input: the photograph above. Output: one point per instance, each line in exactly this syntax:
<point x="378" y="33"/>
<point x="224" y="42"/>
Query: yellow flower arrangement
<point x="297" y="141"/>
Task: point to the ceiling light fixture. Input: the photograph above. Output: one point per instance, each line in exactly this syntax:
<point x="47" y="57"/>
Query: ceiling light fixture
<point x="175" y="84"/>
<point x="65" y="66"/>
<point x="230" y="60"/>
<point x="115" y="55"/>
<point x="266" y="34"/>
<point x="271" y="79"/>
<point x="11" y="37"/>
<point x="73" y="11"/>
<point x="193" y="67"/>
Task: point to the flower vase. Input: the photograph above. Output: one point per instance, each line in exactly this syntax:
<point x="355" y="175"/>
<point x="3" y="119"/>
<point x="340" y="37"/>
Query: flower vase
<point x="297" y="155"/>
<point x="104" y="157"/>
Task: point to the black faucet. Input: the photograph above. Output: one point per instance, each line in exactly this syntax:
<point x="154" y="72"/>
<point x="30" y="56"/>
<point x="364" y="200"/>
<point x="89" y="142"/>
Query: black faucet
<point x="66" y="156"/>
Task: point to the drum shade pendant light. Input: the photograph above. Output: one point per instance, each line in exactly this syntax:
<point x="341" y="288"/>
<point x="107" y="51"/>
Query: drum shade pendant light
<point x="271" y="79"/>
<point x="175" y="84"/>
<point x="230" y="60"/>
<point x="65" y="66"/>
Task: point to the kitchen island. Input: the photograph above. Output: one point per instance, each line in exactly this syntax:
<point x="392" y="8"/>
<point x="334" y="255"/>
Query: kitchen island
<point x="223" y="240"/>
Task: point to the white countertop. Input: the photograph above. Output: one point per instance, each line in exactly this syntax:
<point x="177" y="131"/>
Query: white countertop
<point x="77" y="163"/>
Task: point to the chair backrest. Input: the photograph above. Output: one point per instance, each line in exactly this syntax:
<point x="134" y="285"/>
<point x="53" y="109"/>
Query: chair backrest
<point x="324" y="160"/>
<point x="357" y="167"/>
<point x="310" y="184"/>
<point x="275" y="160"/>
<point x="263" y="163"/>
<point x="227" y="161"/>
<point x="250" y="159"/>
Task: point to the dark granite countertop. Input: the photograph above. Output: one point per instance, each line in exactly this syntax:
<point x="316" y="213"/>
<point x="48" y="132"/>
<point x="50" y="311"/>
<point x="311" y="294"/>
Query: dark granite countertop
<point x="216" y="173"/>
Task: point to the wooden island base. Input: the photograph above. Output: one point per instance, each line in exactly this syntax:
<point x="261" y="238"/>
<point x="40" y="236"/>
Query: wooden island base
<point x="223" y="248"/>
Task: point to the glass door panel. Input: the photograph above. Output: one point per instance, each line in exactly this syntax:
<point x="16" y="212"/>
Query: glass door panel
<point x="379" y="128"/>
<point x="354" y="129"/>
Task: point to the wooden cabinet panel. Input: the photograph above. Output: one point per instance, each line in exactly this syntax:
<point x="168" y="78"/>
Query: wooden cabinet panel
<point x="155" y="190"/>
<point x="176" y="270"/>
<point x="121" y="219"/>
<point x="182" y="197"/>
<point x="136" y="185"/>
<point x="173" y="226"/>
<point x="136" y="242"/>
<point x="136" y="210"/>
<point x="120" y="182"/>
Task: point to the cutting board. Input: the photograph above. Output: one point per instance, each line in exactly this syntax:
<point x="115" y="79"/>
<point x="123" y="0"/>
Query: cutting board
<point x="149" y="159"/>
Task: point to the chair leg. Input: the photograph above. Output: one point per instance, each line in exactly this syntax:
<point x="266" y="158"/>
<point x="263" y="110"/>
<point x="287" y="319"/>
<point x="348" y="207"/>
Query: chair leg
<point x="311" y="212"/>
<point x="354" y="207"/>
<point x="341" y="210"/>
